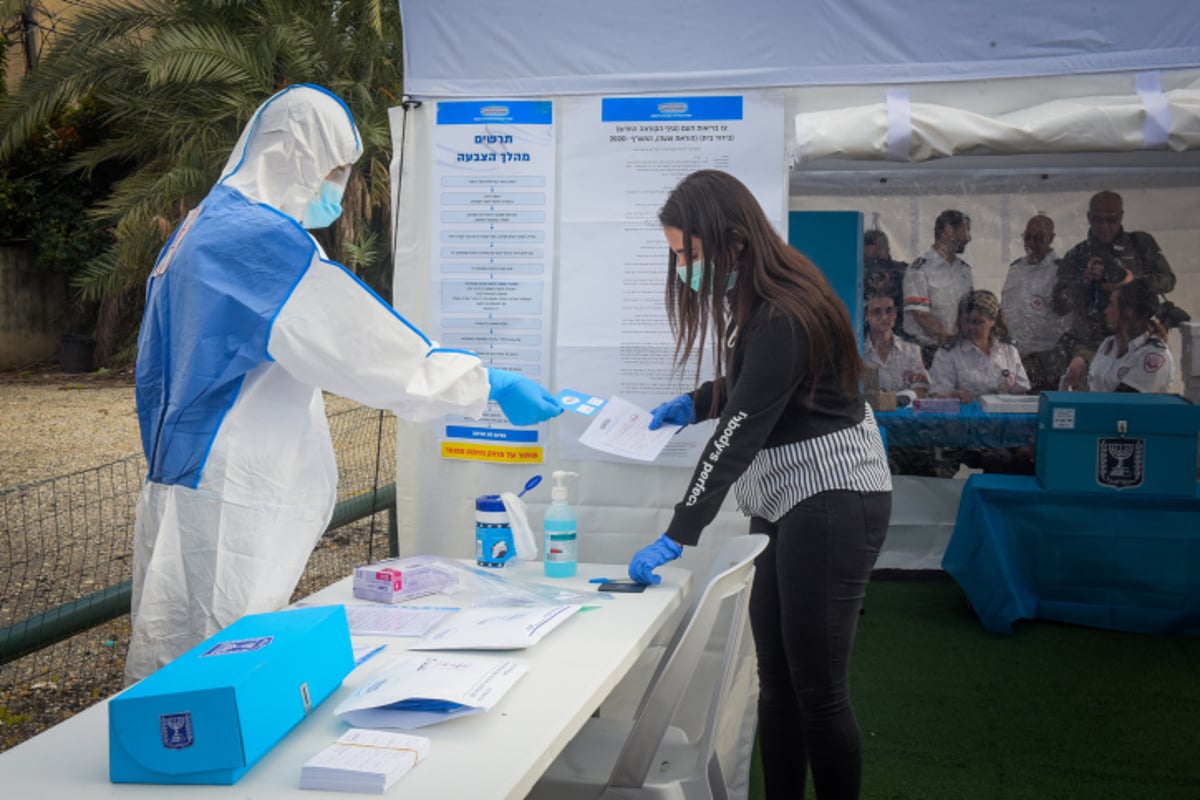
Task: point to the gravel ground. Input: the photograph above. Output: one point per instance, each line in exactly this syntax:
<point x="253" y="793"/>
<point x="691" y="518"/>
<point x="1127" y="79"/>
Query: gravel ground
<point x="53" y="423"/>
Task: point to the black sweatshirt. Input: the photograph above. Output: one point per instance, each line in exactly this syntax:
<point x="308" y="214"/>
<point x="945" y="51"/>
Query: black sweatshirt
<point x="768" y="400"/>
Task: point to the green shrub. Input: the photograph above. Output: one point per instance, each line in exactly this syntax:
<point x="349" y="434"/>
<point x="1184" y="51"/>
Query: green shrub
<point x="45" y="198"/>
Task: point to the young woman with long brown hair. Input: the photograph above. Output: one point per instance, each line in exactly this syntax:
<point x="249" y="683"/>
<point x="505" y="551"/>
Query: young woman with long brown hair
<point x="798" y="445"/>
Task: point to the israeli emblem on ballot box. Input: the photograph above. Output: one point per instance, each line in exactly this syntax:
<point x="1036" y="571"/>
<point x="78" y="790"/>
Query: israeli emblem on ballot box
<point x="176" y="730"/>
<point x="1120" y="463"/>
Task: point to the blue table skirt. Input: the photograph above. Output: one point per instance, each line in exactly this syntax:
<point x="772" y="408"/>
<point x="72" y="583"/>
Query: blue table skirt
<point x="968" y="428"/>
<point x="1123" y="562"/>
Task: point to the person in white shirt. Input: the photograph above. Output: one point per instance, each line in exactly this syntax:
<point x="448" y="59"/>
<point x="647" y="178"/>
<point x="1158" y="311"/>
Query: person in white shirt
<point x="1135" y="358"/>
<point x="899" y="366"/>
<point x="979" y="361"/>
<point x="1025" y="302"/>
<point x="936" y="282"/>
<point x="898" y="361"/>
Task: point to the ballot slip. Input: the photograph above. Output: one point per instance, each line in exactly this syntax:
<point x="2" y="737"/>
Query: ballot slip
<point x="623" y="429"/>
<point x="365" y="761"/>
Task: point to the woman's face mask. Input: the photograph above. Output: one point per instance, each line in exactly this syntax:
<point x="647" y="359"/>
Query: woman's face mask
<point x="324" y="209"/>
<point x="698" y="270"/>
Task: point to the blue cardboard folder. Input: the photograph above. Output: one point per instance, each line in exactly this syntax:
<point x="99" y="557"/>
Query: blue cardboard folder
<point x="210" y="714"/>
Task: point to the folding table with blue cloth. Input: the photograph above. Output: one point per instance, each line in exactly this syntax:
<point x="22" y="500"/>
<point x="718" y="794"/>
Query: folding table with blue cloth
<point x="1108" y="533"/>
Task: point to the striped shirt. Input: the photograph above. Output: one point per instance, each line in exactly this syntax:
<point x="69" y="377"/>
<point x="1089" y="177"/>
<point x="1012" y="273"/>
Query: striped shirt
<point x="788" y="431"/>
<point x="781" y="477"/>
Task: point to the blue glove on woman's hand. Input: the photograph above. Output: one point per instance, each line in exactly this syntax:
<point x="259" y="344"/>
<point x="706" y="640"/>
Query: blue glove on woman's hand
<point x="679" y="411"/>
<point x="651" y="557"/>
<point x="523" y="401"/>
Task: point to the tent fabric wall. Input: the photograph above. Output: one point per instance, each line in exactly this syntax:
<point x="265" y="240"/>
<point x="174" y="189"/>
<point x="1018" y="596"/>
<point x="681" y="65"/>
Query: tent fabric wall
<point x="523" y="48"/>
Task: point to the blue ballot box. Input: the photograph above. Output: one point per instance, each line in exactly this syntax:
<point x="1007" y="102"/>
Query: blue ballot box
<point x="1117" y="442"/>
<point x="210" y="714"/>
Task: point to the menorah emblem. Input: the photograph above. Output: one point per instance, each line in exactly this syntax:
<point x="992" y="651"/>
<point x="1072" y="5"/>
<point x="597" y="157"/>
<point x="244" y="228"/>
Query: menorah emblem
<point x="176" y="730"/>
<point x="1120" y="463"/>
<point x="1121" y="452"/>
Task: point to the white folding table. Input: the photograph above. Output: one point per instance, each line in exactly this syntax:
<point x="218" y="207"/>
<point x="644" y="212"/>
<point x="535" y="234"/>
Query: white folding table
<point x="497" y="754"/>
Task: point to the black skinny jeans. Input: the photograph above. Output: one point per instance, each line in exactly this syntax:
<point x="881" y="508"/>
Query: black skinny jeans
<point x="809" y="585"/>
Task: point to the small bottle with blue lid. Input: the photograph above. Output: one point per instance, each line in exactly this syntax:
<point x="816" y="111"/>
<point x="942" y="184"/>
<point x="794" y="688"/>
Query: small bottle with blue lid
<point x="561" y="531"/>
<point x="493" y="533"/>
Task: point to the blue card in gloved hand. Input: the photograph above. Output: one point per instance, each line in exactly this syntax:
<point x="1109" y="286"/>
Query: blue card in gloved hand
<point x="579" y="402"/>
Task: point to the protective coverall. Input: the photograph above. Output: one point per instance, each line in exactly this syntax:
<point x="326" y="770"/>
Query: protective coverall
<point x="246" y="323"/>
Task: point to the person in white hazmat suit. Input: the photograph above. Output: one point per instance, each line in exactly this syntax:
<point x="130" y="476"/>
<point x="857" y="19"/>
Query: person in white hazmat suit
<point x="246" y="322"/>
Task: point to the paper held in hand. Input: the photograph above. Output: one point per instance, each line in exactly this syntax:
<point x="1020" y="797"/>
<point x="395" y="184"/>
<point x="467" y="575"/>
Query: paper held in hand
<point x="415" y="691"/>
<point x="623" y="429"/>
<point x="363" y="761"/>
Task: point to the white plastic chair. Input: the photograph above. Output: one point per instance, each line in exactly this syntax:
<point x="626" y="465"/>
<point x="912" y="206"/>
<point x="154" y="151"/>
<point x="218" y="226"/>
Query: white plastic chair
<point x="648" y="758"/>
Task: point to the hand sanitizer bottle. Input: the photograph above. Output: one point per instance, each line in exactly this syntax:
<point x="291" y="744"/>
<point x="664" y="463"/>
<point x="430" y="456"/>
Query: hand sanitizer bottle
<point x="561" y="546"/>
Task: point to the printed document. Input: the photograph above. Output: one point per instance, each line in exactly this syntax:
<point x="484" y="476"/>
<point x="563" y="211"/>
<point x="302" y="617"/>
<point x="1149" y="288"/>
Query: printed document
<point x="395" y="620"/>
<point x="495" y="628"/>
<point x="416" y="691"/>
<point x="623" y="429"/>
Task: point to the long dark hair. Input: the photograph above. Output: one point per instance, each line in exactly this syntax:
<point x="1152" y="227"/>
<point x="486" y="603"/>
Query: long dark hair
<point x="718" y="211"/>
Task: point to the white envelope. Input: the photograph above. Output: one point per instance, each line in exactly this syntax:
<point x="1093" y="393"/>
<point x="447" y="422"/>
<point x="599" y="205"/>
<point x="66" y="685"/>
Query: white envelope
<point x="416" y="691"/>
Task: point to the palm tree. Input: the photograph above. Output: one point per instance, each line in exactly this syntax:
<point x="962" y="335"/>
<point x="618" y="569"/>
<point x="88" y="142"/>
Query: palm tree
<point x="178" y="79"/>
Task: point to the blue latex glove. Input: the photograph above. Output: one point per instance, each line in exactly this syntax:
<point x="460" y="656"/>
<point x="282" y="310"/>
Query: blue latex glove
<point x="523" y="401"/>
<point x="679" y="411"/>
<point x="651" y="557"/>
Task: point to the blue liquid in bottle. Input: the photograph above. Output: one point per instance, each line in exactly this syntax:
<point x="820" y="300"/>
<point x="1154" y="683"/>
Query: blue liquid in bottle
<point x="561" y="531"/>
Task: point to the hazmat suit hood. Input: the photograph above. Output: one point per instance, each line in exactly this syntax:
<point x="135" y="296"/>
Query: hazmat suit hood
<point x="289" y="146"/>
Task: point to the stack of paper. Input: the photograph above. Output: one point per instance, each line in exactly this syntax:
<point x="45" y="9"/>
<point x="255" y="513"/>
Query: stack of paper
<point x="416" y="691"/>
<point x="1009" y="403"/>
<point x="502" y="628"/>
<point x="363" y="761"/>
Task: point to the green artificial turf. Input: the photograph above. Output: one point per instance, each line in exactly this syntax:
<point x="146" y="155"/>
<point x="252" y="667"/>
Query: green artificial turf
<point x="1051" y="712"/>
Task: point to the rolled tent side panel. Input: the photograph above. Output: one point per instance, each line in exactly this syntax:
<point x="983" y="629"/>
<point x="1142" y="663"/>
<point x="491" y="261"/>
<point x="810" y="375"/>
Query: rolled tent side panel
<point x="1069" y="123"/>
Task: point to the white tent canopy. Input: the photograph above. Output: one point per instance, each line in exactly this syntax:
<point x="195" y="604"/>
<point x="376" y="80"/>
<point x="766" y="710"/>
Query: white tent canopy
<point x="902" y="79"/>
<point x="532" y="48"/>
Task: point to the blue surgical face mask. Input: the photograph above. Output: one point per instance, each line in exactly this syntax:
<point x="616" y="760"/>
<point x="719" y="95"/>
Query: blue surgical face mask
<point x="325" y="208"/>
<point x="698" y="270"/>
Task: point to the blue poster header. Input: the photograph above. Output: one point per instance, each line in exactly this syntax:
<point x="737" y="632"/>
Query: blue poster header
<point x="490" y="434"/>
<point x="658" y="109"/>
<point x="509" y="112"/>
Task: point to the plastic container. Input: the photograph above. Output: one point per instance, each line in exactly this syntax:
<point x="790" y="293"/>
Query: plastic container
<point x="493" y="533"/>
<point x="561" y="544"/>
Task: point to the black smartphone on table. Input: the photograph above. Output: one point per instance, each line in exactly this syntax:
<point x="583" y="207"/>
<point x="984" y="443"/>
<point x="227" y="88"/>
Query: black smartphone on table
<point x="622" y="586"/>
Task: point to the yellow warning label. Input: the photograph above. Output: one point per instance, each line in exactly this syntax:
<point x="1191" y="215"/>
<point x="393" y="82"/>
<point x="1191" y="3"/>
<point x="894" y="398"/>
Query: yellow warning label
<point x="496" y="454"/>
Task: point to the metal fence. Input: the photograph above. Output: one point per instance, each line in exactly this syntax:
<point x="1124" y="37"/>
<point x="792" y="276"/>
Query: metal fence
<point x="65" y="564"/>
